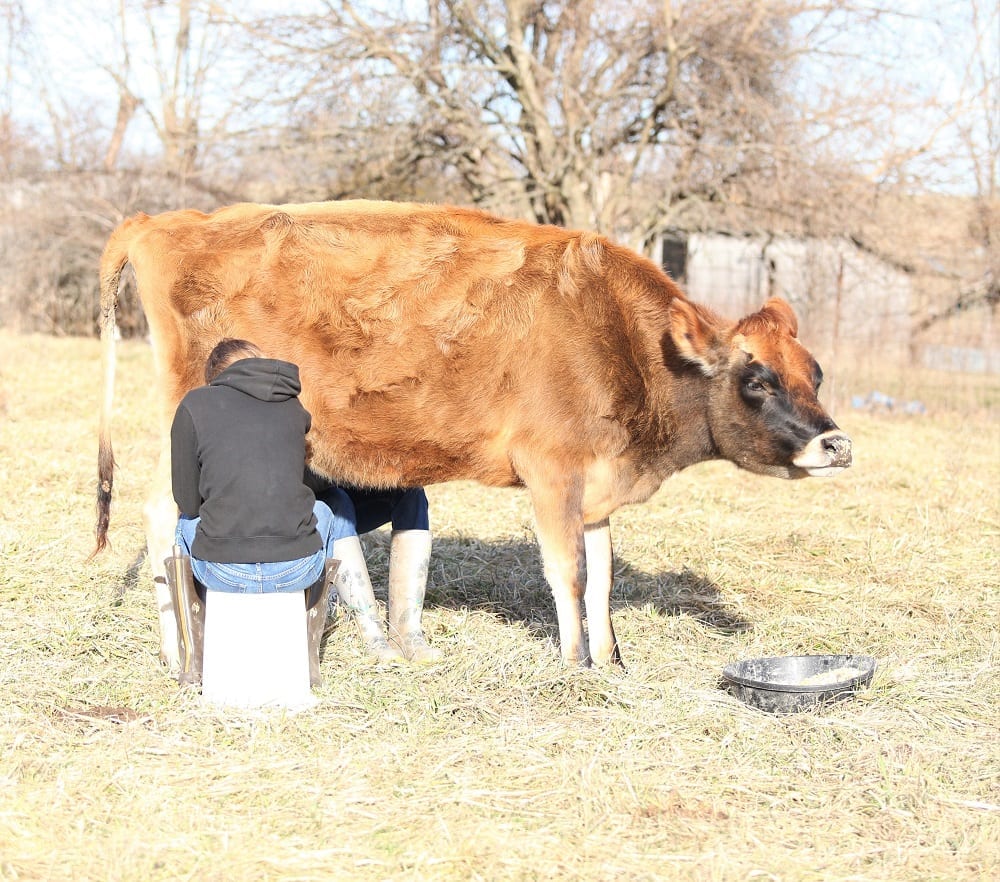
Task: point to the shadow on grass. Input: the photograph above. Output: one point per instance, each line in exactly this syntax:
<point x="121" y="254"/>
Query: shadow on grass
<point x="506" y="578"/>
<point x="130" y="578"/>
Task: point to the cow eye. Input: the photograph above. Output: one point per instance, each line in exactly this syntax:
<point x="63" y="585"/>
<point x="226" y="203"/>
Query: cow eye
<point x="758" y="383"/>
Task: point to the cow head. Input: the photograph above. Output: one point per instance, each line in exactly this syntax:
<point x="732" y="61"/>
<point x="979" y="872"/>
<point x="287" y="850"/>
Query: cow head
<point x="763" y="410"/>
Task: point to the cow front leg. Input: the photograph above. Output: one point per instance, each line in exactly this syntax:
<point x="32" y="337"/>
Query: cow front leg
<point x="600" y="577"/>
<point x="160" y="519"/>
<point x="559" y="522"/>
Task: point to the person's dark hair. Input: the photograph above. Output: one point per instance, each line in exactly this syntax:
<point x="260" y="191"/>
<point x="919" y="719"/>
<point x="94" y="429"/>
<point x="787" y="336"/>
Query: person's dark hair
<point x="225" y="353"/>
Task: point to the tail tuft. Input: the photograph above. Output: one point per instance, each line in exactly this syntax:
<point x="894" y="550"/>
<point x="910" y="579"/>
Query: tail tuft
<point x="113" y="260"/>
<point x="105" y="483"/>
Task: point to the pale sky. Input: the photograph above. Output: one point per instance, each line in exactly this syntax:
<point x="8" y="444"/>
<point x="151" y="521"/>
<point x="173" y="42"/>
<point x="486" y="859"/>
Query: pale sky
<point x="929" y="42"/>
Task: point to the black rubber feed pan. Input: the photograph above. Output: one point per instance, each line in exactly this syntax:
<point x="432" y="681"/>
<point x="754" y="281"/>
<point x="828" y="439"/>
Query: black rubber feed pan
<point x="786" y="684"/>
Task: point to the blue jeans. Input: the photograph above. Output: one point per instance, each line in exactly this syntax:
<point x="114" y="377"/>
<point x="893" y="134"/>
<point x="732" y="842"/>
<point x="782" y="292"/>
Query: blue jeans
<point x="334" y="520"/>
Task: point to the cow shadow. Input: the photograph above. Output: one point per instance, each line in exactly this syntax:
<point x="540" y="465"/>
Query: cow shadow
<point x="130" y="579"/>
<point x="506" y="579"/>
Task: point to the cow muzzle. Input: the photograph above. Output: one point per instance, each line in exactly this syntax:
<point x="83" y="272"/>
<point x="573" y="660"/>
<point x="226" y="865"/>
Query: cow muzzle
<point x="825" y="455"/>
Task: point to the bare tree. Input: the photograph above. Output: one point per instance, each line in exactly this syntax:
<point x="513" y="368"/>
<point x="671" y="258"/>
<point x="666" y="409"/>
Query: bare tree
<point x="564" y="110"/>
<point x="56" y="213"/>
<point x="15" y="146"/>
<point x="128" y="101"/>
<point x="927" y="200"/>
<point x="625" y="116"/>
<point x="977" y="126"/>
<point x="175" y="112"/>
<point x="177" y="67"/>
<point x="36" y="101"/>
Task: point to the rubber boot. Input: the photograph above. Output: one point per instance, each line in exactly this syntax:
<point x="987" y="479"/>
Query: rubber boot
<point x="317" y="607"/>
<point x="409" y="560"/>
<point x="189" y="610"/>
<point x="354" y="590"/>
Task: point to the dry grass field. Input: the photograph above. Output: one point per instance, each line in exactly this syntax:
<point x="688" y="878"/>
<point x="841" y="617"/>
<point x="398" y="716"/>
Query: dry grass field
<point x="499" y="763"/>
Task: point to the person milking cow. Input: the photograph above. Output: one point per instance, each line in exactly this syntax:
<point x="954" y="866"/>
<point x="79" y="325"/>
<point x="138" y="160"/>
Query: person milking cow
<point x="250" y="524"/>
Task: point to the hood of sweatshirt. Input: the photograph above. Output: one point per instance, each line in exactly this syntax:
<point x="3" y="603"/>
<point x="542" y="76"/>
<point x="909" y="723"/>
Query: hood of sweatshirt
<point x="267" y="379"/>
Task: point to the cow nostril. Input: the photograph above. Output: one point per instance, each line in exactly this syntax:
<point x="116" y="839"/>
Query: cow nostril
<point x="838" y="446"/>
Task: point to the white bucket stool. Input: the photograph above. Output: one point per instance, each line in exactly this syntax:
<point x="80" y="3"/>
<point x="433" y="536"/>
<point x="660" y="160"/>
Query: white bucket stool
<point x="256" y="650"/>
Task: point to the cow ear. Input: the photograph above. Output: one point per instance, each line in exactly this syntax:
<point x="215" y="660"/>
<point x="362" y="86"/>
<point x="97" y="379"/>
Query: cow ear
<point x="694" y="334"/>
<point x="781" y="313"/>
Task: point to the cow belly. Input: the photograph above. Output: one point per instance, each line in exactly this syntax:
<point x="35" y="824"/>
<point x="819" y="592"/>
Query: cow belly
<point x="405" y="462"/>
<point x="450" y="424"/>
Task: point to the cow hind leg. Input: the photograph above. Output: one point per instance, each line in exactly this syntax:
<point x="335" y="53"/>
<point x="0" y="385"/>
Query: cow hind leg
<point x="600" y="577"/>
<point x="160" y="519"/>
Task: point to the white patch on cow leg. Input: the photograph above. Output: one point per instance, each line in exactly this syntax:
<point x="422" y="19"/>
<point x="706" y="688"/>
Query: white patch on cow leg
<point x="160" y="518"/>
<point x="572" y="641"/>
<point x="600" y="577"/>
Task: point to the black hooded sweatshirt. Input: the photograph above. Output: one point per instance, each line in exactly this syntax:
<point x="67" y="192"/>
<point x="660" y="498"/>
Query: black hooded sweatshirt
<point x="238" y="462"/>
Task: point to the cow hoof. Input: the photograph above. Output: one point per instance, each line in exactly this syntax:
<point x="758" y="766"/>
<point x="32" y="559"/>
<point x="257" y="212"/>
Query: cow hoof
<point x="171" y="665"/>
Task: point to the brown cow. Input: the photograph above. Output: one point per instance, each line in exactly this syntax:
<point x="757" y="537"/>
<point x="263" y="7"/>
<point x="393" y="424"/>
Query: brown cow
<point x="438" y="343"/>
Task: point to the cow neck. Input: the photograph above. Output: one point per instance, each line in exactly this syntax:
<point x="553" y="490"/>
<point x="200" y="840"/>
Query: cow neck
<point x="685" y="399"/>
<point x="673" y="431"/>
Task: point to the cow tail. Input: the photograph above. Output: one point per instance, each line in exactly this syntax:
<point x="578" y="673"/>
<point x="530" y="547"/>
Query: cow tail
<point x="113" y="261"/>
